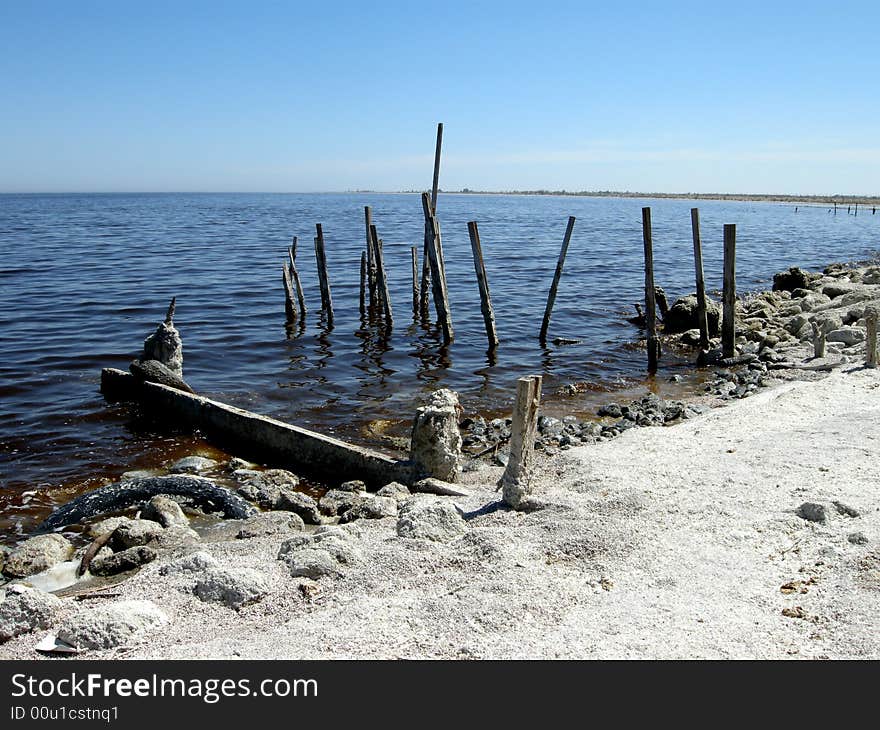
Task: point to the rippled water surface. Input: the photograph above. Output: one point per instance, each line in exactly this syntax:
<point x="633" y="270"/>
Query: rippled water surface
<point x="84" y="278"/>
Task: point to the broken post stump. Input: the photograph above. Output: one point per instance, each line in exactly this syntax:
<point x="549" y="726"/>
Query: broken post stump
<point x="381" y="278"/>
<point x="483" y="284"/>
<point x="371" y="262"/>
<point x="438" y="280"/>
<point x="650" y="293"/>
<point x="300" y="297"/>
<point x="551" y="296"/>
<point x="290" y="308"/>
<point x="323" y="277"/>
<point x="516" y="481"/>
<point x="435" y="449"/>
<point x="871" y="337"/>
<point x="415" y="280"/>
<point x="702" y="319"/>
<point x="728" y="321"/>
<point x="818" y="338"/>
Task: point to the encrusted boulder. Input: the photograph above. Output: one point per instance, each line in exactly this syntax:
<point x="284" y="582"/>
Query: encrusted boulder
<point x="197" y="562"/>
<point x="430" y="519"/>
<point x="436" y="440"/>
<point x="794" y="278"/>
<point x="193" y="465"/>
<point x="270" y="523"/>
<point x="682" y="316"/>
<point x="26" y="609"/>
<point x="372" y="508"/>
<point x="233" y="588"/>
<point x="106" y="627"/>
<point x="399" y="491"/>
<point x="36" y="555"/>
<point x="165" y="511"/>
<point x="337" y="502"/>
<point x="125" y="560"/>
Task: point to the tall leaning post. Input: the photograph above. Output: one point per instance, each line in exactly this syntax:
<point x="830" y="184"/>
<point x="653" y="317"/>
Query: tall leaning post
<point x="438" y="281"/>
<point x="435" y="191"/>
<point x="516" y="480"/>
<point x="650" y="294"/>
<point x="483" y="284"/>
<point x="321" y="256"/>
<point x="728" y="322"/>
<point x="554" y="287"/>
<point x="702" y="319"/>
<point x="371" y="262"/>
<point x="381" y="278"/>
<point x="300" y="296"/>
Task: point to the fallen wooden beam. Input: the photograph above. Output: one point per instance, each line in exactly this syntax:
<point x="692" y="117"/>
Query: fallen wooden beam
<point x="257" y="437"/>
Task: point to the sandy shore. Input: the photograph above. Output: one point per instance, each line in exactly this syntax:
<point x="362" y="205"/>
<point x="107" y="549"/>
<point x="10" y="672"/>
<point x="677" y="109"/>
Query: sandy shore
<point x="662" y="543"/>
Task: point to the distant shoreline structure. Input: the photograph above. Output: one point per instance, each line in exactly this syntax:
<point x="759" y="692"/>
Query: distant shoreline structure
<point x="743" y="197"/>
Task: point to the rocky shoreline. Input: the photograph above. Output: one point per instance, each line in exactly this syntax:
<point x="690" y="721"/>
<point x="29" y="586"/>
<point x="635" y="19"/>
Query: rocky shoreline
<point x="167" y="538"/>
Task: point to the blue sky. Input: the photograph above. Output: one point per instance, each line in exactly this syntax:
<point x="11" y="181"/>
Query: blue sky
<point x="257" y="96"/>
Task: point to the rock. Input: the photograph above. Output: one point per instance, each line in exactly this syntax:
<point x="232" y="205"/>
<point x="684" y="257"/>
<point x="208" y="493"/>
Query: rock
<point x="106" y="627"/>
<point x="125" y="560"/>
<point x="26" y="609"/>
<point x="192" y="465"/>
<point x="177" y="537"/>
<point x="195" y="563"/>
<point x="682" y="316"/>
<point x="355" y="485"/>
<point x="4" y="551"/>
<point x="812" y="512"/>
<point x="856" y="538"/>
<point x="372" y="508"/>
<point x="430" y="519"/>
<point x="231" y="587"/>
<point x="847" y="335"/>
<point x="396" y="490"/>
<point x="845" y="509"/>
<point x="436" y="440"/>
<point x="153" y="371"/>
<point x="36" y="555"/>
<point x="611" y="410"/>
<point x="301" y="504"/>
<point x="266" y="488"/>
<point x="165" y="345"/>
<point x="108" y="525"/>
<point x="691" y="337"/>
<point x="270" y="523"/>
<point x="134" y="533"/>
<point x="312" y="563"/>
<point x="338" y="502"/>
<point x="549" y="426"/>
<point x="794" y="278"/>
<point x="165" y="511"/>
<point x="235" y="464"/>
<point x="439" y="487"/>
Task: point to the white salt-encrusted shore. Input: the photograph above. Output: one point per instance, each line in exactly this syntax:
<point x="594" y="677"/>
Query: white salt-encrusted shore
<point x="679" y="542"/>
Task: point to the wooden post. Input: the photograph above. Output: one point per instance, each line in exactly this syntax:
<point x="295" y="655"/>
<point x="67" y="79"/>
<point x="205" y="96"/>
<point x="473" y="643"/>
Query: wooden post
<point x="415" y="280"/>
<point x="289" y="302"/>
<point x="435" y="185"/>
<point x="438" y="281"/>
<point x="426" y="268"/>
<point x="702" y="319"/>
<point x="516" y="481"/>
<point x="728" y="323"/>
<point x="650" y="304"/>
<point x="551" y="296"/>
<point x="297" y="283"/>
<point x="321" y="256"/>
<point x="381" y="278"/>
<point x="371" y="262"/>
<point x="871" y="337"/>
<point x="483" y="284"/>
<point x="818" y="338"/>
<point x="363" y="296"/>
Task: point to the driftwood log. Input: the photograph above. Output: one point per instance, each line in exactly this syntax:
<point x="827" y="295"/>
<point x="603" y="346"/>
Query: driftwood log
<point x="118" y="496"/>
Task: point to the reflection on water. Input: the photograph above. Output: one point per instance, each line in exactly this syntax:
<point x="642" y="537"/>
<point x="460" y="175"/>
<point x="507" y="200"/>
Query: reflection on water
<point x="112" y="262"/>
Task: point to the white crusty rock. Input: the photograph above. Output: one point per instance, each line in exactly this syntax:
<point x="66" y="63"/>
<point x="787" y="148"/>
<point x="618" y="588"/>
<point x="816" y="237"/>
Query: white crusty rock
<point x="102" y="527"/>
<point x="438" y="486"/>
<point x="192" y="465"/>
<point x="436" y="440"/>
<point x="106" y="627"/>
<point x="372" y="508"/>
<point x="165" y="511"/>
<point x="195" y="563"/>
<point x="233" y="587"/>
<point x="270" y="523"/>
<point x="430" y="519"/>
<point x="37" y="554"/>
<point x="26" y="609"/>
<point x="399" y="491"/>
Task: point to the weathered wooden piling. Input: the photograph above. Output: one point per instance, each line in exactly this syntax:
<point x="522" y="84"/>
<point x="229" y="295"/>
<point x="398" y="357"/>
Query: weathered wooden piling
<point x="516" y="481"/>
<point x="290" y="309"/>
<point x="381" y="278"/>
<point x="323" y="277"/>
<point x="871" y="337"/>
<point x="415" y="280"/>
<point x="728" y="322"/>
<point x="301" y="299"/>
<point x="435" y="190"/>
<point x="554" y="287"/>
<point x="702" y="319"/>
<point x="438" y="280"/>
<point x="650" y="294"/>
<point x="483" y="284"/>
<point x="371" y="262"/>
<point x="363" y="295"/>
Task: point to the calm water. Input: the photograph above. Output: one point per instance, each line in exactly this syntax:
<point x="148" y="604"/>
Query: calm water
<point x="84" y="278"/>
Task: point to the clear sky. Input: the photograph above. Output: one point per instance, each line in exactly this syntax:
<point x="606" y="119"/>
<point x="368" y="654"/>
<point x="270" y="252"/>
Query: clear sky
<point x="313" y="96"/>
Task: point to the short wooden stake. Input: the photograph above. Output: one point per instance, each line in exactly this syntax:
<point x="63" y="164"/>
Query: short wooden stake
<point x="728" y="322"/>
<point x="415" y="280"/>
<point x="516" y="481"/>
<point x="483" y="284"/>
<point x="818" y="338"/>
<point x="381" y="278"/>
<point x="650" y="304"/>
<point x="290" y="308"/>
<point x="871" y="338"/>
<point x="438" y="281"/>
<point x="554" y="287"/>
<point x="363" y="294"/>
<point x="702" y="319"/>
<point x="295" y="275"/>
<point x="321" y="257"/>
